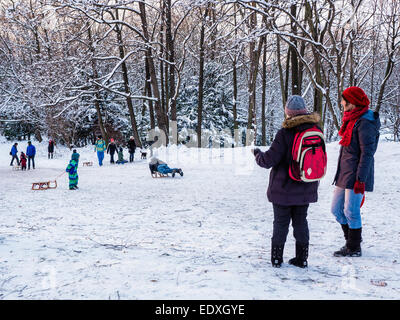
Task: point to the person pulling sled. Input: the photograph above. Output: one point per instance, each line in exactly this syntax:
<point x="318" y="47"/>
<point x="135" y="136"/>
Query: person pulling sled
<point x="72" y="170"/>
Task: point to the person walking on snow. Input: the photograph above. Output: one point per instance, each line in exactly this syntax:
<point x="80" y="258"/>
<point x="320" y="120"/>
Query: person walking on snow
<point x="290" y="198"/>
<point x="31" y="152"/>
<point x="72" y="170"/>
<point x="355" y="170"/>
<point x="112" y="148"/>
<point x="50" y="148"/>
<point x="131" y="148"/>
<point x="14" y="154"/>
<point x="100" y="146"/>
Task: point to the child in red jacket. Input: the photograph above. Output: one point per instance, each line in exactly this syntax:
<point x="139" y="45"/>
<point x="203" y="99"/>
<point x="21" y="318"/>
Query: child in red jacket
<point x="23" y="161"/>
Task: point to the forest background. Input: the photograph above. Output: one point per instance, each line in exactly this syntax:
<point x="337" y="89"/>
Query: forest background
<point x="75" y="69"/>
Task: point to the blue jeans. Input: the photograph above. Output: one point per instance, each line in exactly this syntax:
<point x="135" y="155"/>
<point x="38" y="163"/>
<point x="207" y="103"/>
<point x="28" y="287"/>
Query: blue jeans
<point x="100" y="156"/>
<point x="164" y="169"/>
<point x="29" y="162"/>
<point x="346" y="207"/>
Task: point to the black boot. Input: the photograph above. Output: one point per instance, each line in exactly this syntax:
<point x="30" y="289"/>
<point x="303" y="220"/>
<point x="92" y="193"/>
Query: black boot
<point x="352" y="247"/>
<point x="345" y="228"/>
<point x="301" y="256"/>
<point x="277" y="255"/>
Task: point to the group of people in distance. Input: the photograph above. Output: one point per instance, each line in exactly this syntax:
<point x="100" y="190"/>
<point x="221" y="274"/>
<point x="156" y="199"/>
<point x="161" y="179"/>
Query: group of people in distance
<point x="112" y="148"/>
<point x="155" y="165"/>
<point x="100" y="147"/>
<point x="29" y="156"/>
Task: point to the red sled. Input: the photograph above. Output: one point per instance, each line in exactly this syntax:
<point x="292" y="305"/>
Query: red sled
<point x="309" y="160"/>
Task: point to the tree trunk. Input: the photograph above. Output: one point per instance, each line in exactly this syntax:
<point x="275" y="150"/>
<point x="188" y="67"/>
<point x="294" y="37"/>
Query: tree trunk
<point x="160" y="114"/>
<point x="171" y="59"/>
<point x="235" y="95"/>
<point x="293" y="55"/>
<point x="149" y="94"/>
<point x="281" y="77"/>
<point x="388" y="72"/>
<point x="201" y="80"/>
<point x="97" y="89"/>
<point x="254" y="62"/>
<point x="127" y="89"/>
<point x="264" y="87"/>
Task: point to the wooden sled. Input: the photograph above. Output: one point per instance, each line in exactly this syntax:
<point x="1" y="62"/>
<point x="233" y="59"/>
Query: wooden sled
<point x="44" y="185"/>
<point x="16" y="167"/>
<point x="87" y="164"/>
<point x="159" y="175"/>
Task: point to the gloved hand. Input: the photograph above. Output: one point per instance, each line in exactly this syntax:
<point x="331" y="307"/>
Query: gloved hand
<point x="359" y="187"/>
<point x="255" y="151"/>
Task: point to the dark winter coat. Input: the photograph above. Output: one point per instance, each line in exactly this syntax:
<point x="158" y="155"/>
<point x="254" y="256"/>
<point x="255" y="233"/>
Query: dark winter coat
<point x="50" y="148"/>
<point x="283" y="190"/>
<point x="356" y="161"/>
<point x="131" y="146"/>
<point x="30" y="150"/>
<point x="112" y="148"/>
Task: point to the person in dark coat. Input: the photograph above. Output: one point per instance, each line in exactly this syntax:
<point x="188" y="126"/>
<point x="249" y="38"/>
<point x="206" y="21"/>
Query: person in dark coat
<point x="112" y="148"/>
<point x="31" y="152"/>
<point x="290" y="199"/>
<point x="50" y="149"/>
<point x="355" y="171"/>
<point x="14" y="153"/>
<point x="131" y="148"/>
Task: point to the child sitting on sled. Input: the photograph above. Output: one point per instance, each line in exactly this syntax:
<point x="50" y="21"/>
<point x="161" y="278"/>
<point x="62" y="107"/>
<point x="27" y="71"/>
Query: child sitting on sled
<point x="72" y="170"/>
<point x="121" y="159"/>
<point x="157" y="165"/>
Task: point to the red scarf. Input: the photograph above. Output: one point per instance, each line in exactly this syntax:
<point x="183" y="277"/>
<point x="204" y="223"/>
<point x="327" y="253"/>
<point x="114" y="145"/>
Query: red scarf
<point x="349" y="120"/>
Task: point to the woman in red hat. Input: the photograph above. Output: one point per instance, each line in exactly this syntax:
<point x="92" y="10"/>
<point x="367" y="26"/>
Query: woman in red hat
<point x="111" y="149"/>
<point x="355" y="171"/>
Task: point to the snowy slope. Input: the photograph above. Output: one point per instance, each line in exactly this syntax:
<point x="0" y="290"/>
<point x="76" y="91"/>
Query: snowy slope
<point x="205" y="235"/>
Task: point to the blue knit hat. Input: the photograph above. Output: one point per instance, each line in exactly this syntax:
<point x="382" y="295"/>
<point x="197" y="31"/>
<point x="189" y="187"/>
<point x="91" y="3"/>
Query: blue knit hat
<point x="295" y="105"/>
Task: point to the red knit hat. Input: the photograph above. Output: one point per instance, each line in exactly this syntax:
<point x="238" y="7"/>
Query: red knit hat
<point x="356" y="96"/>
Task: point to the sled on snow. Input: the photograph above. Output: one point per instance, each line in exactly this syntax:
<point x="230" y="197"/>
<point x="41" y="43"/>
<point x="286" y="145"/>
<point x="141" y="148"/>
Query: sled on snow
<point x="159" y="175"/>
<point x="44" y="185"/>
<point x="87" y="164"/>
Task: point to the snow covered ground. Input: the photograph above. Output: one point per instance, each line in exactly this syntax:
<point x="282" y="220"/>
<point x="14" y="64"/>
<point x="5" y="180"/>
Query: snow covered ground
<point x="205" y="235"/>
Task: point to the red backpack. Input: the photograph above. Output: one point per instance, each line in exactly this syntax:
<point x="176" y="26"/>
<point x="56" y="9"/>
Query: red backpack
<point x="309" y="158"/>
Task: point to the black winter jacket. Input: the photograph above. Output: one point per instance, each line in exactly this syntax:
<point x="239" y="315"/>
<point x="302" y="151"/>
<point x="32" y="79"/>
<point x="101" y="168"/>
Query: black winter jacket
<point x="282" y="189"/>
<point x="131" y="146"/>
<point x="356" y="161"/>
<point x="112" y="148"/>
